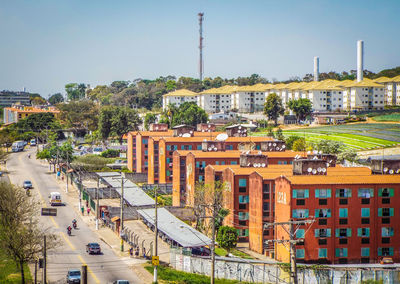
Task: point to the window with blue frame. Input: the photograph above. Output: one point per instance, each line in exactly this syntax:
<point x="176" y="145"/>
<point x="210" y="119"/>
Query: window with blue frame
<point x="385" y="212"/>
<point x="300" y="233"/>
<point x="322" y="233"/>
<point x="322" y="213"/>
<point x="300" y="193"/>
<point x="387" y="232"/>
<point x="363" y="232"/>
<point x="168" y="147"/>
<point x="198" y="147"/>
<point x="343" y="233"/>
<point x="343" y="192"/>
<point x="243" y="216"/>
<point x="243" y="199"/>
<point x="365" y="212"/>
<point x="364" y="252"/>
<point x="146" y="152"/>
<point x="190" y="147"/>
<point x="145" y="141"/>
<point x="233" y="163"/>
<point x="323" y="193"/>
<point x="300" y="253"/>
<point x="300" y="213"/>
<point x="217" y="163"/>
<point x="322" y="253"/>
<point x="223" y="163"/>
<point x="200" y="178"/>
<point x="197" y="164"/>
<point x="343" y="212"/>
<point x="341" y="252"/>
<point x="203" y="164"/>
<point x="182" y="147"/>
<point x="168" y="173"/>
<point x="365" y="192"/>
<point x="258" y="147"/>
<point x="242" y="182"/>
<point x="168" y="160"/>
<point x="385" y="251"/>
<point x="146" y="163"/>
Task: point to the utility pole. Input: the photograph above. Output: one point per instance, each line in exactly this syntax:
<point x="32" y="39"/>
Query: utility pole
<point x="291" y="228"/>
<point x="36" y="271"/>
<point x="201" y="46"/>
<point x="213" y="243"/>
<point x="66" y="174"/>
<point x="44" y="260"/>
<point x="123" y="180"/>
<point x="97" y="203"/>
<point x="155" y="233"/>
<point x="84" y="274"/>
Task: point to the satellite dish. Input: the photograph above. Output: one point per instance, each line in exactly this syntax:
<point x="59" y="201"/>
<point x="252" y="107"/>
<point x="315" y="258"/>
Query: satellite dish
<point x="263" y="165"/>
<point x="283" y="146"/>
<point x="191" y="131"/>
<point x="240" y="127"/>
<point x="330" y="161"/>
<point x="209" y="148"/>
<point x="277" y="148"/>
<point x="215" y="149"/>
<point x="186" y="135"/>
<point x="314" y="171"/>
<point x="398" y="171"/>
<point x="323" y="170"/>
<point x="259" y="153"/>
<point x="315" y="158"/>
<point x="391" y="172"/>
<point x="248" y="164"/>
<point x="385" y="170"/>
<point x="269" y="144"/>
<point x="202" y="130"/>
<point x="327" y="164"/>
<point x="180" y="135"/>
<point x="319" y="169"/>
<point x="221" y="137"/>
<point x="309" y="170"/>
<point x="274" y="144"/>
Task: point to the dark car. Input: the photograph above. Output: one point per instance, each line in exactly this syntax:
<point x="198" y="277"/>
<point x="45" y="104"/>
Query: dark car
<point x="74" y="276"/>
<point x="121" y="282"/>
<point x="93" y="248"/>
<point x="27" y="184"/>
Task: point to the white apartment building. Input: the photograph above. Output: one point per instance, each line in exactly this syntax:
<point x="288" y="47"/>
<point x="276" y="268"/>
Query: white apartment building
<point x="249" y="98"/>
<point x="178" y="97"/>
<point x="216" y="99"/>
<point x="367" y="95"/>
<point x="396" y="90"/>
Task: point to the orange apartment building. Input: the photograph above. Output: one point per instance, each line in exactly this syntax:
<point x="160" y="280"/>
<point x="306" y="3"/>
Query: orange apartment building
<point x="189" y="167"/>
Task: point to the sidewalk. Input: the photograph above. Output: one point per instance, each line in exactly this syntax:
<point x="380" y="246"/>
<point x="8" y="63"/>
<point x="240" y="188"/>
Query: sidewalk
<point x="105" y="234"/>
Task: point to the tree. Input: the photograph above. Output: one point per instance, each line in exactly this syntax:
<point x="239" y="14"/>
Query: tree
<point x="116" y="121"/>
<point x="299" y="145"/>
<point x="188" y="113"/>
<point x="75" y="91"/>
<point x="79" y="114"/>
<point x="37" y="122"/>
<point x="21" y="234"/>
<point x="348" y="155"/>
<point x="56" y="98"/>
<point x="279" y="134"/>
<point x="328" y="146"/>
<point x="270" y="132"/>
<point x="149" y="119"/>
<point x="273" y="107"/>
<point x="38" y="101"/>
<point x="227" y="237"/>
<point x="290" y="140"/>
<point x="301" y="107"/>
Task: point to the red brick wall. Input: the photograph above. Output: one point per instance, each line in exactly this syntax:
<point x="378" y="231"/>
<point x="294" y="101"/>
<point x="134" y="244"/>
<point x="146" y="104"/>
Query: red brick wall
<point x="256" y="213"/>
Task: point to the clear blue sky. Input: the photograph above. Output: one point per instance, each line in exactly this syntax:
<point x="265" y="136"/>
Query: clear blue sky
<point x="46" y="43"/>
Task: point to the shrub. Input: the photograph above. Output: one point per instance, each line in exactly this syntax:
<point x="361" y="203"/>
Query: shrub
<point x="110" y="153"/>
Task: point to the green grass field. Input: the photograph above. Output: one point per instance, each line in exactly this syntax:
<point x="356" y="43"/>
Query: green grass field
<point x="9" y="272"/>
<point x="387" y="117"/>
<point x="363" y="136"/>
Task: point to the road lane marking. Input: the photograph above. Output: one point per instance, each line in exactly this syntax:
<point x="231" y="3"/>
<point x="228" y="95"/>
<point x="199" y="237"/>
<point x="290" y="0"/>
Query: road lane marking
<point x="88" y="268"/>
<point x="67" y="241"/>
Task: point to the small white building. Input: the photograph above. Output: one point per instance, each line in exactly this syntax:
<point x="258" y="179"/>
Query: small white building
<point x="367" y="95"/>
<point x="249" y="99"/>
<point x="216" y="100"/>
<point x="396" y="90"/>
<point x="179" y="97"/>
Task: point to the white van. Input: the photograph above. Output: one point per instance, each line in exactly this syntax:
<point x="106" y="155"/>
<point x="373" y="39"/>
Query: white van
<point x="55" y="198"/>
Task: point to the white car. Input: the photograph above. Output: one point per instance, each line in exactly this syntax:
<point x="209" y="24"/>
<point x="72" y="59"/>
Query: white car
<point x="97" y="150"/>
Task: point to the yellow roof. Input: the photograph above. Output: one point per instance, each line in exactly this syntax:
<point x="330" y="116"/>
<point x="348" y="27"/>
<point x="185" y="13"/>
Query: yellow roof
<point x="221" y="90"/>
<point x="365" y="83"/>
<point x="396" y="79"/>
<point x="345" y="83"/>
<point x="254" y="88"/>
<point x="383" y="80"/>
<point x="181" y="93"/>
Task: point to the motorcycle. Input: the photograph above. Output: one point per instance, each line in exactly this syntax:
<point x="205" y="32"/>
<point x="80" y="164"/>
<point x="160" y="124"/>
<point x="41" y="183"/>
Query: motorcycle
<point x="69" y="231"/>
<point x="74" y="224"/>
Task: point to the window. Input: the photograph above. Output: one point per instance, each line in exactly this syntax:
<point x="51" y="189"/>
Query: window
<point x="385" y="212"/>
<point x="243" y="199"/>
<point x="343" y="201"/>
<point x="322" y="233"/>
<point x="168" y="173"/>
<point x="386" y="192"/>
<point x="168" y="160"/>
<point x="385" y="251"/>
<point x="322" y="201"/>
<point x="198" y="147"/>
<point x="364" y="212"/>
<point x="322" y="253"/>
<point x="243" y="216"/>
<point x="343" y="212"/>
<point x="322" y="213"/>
<point x="365" y="192"/>
<point x="322" y="193"/>
<point x="343" y="192"/>
<point x="197" y="164"/>
<point x="266" y="206"/>
<point x="243" y="232"/>
<point x="145" y="141"/>
<point x="168" y="147"/>
<point x="300" y="233"/>
<point x="364" y="252"/>
<point x="242" y="182"/>
<point x="363" y="232"/>
<point x="343" y="232"/>
<point x="341" y="252"/>
<point x="233" y="163"/>
<point x="322" y="221"/>
<point x="300" y="193"/>
<point x="200" y="178"/>
<point x="299" y="253"/>
<point x="387" y="232"/>
<point x="300" y="213"/>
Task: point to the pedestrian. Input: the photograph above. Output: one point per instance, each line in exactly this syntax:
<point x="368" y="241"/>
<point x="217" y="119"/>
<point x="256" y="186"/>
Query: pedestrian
<point x="131" y="251"/>
<point x="88" y="211"/>
<point x="87" y="203"/>
<point x="83" y="210"/>
<point x="137" y="251"/>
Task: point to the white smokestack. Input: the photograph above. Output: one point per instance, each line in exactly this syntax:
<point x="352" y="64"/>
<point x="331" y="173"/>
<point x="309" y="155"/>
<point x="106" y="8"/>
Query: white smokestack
<point x="316" y="68"/>
<point x="360" y="60"/>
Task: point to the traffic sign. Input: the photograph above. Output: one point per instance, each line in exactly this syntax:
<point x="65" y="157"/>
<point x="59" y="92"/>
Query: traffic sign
<point x="155" y="260"/>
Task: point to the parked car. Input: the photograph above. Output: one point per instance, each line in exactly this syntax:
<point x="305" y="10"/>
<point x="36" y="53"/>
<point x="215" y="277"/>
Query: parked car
<point x="121" y="282"/>
<point x="93" y="248"/>
<point x="74" y="276"/>
<point x="27" y="184"/>
<point x="386" y="260"/>
<point x="33" y="142"/>
<point x="97" y="150"/>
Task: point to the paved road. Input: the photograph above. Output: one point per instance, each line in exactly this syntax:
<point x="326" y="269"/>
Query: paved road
<point x="104" y="268"/>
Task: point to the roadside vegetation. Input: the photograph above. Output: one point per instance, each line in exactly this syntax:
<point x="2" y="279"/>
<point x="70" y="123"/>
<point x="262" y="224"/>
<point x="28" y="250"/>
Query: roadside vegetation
<point x="395" y="117"/>
<point x="9" y="270"/>
<point x="170" y="275"/>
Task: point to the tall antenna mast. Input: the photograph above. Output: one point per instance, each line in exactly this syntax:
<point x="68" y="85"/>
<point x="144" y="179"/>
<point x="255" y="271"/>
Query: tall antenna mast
<point x="201" y="46"/>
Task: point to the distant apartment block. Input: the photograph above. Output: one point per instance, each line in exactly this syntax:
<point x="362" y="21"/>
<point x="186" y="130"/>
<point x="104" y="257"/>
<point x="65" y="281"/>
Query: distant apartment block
<point x="179" y="97"/>
<point x="8" y="98"/>
<point x="16" y="112"/>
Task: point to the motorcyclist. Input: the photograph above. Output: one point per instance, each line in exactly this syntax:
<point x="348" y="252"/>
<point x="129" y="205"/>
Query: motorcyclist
<point x="74" y="223"/>
<point x="69" y="230"/>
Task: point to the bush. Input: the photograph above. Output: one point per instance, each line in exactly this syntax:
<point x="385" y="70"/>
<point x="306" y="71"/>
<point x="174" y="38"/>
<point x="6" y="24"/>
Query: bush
<point x="110" y="153"/>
